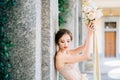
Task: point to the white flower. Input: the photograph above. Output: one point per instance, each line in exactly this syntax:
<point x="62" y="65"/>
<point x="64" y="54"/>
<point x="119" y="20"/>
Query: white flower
<point x="91" y="15"/>
<point x="90" y="11"/>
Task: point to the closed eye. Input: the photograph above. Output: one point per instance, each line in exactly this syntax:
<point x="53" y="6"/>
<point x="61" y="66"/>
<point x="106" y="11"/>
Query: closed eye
<point x="62" y="41"/>
<point x="68" y="41"/>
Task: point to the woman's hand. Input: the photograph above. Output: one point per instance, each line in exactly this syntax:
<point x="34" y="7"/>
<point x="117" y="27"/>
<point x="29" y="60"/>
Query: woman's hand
<point x="90" y="27"/>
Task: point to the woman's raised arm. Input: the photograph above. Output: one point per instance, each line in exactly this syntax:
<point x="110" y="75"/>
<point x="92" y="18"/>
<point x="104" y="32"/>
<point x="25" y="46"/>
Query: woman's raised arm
<point x="84" y="47"/>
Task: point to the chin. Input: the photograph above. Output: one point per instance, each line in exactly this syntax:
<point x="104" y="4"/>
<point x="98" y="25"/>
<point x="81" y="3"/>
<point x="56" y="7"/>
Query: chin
<point x="66" y="49"/>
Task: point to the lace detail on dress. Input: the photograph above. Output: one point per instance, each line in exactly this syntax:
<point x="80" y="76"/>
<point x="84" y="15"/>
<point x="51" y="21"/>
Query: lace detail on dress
<point x="84" y="77"/>
<point x="70" y="72"/>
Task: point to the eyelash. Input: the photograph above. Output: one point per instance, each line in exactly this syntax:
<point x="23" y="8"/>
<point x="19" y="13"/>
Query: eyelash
<point x="68" y="41"/>
<point x="63" y="41"/>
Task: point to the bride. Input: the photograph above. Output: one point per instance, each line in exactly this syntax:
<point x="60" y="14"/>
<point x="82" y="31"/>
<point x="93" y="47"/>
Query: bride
<point x="66" y="58"/>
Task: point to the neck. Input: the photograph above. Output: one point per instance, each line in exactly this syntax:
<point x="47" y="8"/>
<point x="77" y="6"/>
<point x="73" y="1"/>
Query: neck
<point x="62" y="51"/>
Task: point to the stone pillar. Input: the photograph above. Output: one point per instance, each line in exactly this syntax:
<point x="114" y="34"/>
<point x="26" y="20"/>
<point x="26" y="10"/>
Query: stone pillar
<point x="32" y="26"/>
<point x="38" y="42"/>
<point x="24" y="30"/>
<point x="49" y="26"/>
<point x="76" y="23"/>
<point x="80" y="21"/>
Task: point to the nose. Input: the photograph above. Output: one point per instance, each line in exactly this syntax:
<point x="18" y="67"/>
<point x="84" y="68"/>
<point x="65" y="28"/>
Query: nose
<point x="66" y="44"/>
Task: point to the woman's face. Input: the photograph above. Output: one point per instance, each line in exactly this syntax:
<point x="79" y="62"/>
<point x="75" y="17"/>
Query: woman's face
<point x="64" y="42"/>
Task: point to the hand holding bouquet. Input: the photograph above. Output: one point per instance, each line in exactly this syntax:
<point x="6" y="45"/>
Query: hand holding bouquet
<point x="90" y="11"/>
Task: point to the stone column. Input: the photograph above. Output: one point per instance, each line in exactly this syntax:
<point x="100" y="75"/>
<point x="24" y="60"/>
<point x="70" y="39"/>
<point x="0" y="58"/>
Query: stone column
<point x="24" y="30"/>
<point x="49" y="26"/>
<point x="81" y="32"/>
<point x="38" y="54"/>
<point x="76" y="23"/>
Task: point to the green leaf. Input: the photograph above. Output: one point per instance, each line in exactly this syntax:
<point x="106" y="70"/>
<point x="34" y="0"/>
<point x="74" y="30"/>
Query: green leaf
<point x="9" y="65"/>
<point x="7" y="55"/>
<point x="6" y="76"/>
<point x="5" y="42"/>
<point x="1" y="64"/>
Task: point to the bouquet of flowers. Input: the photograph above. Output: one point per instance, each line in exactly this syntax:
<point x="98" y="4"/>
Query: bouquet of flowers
<point x="90" y="11"/>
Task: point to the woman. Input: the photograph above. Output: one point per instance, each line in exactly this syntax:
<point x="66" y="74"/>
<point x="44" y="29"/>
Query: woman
<point x="66" y="58"/>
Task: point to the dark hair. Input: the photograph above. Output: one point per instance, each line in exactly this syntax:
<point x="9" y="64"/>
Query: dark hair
<point x="60" y="33"/>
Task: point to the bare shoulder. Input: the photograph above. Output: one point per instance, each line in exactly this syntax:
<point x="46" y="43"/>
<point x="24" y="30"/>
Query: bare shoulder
<point x="59" y="60"/>
<point x="59" y="55"/>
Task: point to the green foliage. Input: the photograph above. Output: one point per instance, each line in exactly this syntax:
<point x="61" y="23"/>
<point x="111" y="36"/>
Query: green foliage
<point x="5" y="43"/>
<point x="63" y="11"/>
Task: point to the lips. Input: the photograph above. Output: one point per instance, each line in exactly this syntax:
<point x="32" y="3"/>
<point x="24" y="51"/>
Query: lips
<point x="65" y="47"/>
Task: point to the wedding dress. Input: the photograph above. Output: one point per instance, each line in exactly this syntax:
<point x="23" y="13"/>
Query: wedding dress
<point x="70" y="72"/>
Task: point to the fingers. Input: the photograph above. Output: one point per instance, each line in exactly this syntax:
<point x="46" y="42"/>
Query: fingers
<point x="91" y="26"/>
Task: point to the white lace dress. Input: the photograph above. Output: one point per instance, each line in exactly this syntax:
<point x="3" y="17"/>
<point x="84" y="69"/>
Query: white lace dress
<point x="70" y="72"/>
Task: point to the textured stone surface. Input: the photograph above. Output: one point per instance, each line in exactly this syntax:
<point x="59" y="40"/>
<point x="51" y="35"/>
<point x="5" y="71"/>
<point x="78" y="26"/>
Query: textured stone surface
<point x="49" y="26"/>
<point x="45" y="39"/>
<point x="21" y="29"/>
